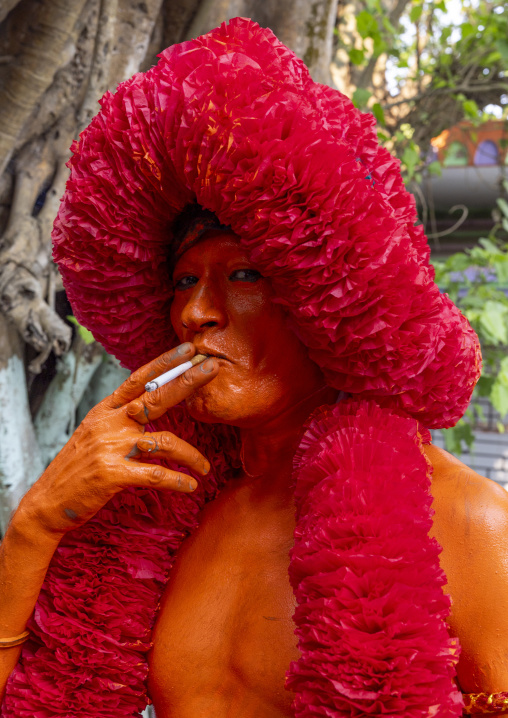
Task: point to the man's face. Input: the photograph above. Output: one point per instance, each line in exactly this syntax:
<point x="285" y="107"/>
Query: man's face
<point x="223" y="306"/>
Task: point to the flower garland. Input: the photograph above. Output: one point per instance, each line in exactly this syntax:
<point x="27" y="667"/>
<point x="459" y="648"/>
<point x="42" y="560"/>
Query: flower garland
<point x="371" y="610"/>
<point x="87" y="655"/>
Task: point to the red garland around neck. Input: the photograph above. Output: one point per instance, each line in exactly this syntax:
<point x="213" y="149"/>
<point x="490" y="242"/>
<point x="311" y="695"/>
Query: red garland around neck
<point x="371" y="609"/>
<point x="366" y="575"/>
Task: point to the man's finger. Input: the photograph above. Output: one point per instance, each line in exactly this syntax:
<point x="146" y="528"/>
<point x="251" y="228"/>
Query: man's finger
<point x="151" y="405"/>
<point x="134" y="386"/>
<point x="168" y="446"/>
<point x="156" y="477"/>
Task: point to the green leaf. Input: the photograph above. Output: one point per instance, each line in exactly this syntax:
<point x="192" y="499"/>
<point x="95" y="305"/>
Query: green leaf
<point x="465" y="432"/>
<point x="502" y="47"/>
<point x="500" y="427"/>
<point x="493" y="321"/>
<point x="434" y="168"/>
<point x="492" y="57"/>
<point x="445" y="34"/>
<point x="499" y="392"/>
<point x="416" y="13"/>
<point x="480" y="412"/>
<point x="380" y="46"/>
<point x="356" y="56"/>
<point x="467" y="29"/>
<point x="461" y="432"/>
<point x="366" y="24"/>
<point x="361" y="97"/>
<point x="470" y="108"/>
<point x="488" y="245"/>
<point x="388" y="25"/>
<point x="499" y="398"/>
<point x="451" y="440"/>
<point x="378" y="113"/>
<point x="503" y="206"/>
<point x="410" y="158"/>
<point x="85" y="335"/>
<point x="501" y="268"/>
<point x="484" y="386"/>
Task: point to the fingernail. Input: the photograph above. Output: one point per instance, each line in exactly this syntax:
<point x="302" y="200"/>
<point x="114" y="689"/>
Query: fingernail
<point x="184" y="348"/>
<point x="206" y="467"/>
<point x="207" y="366"/>
<point x="146" y="444"/>
<point x="193" y="485"/>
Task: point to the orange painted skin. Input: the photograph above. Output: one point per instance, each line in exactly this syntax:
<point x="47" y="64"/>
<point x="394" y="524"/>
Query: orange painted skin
<point x="224" y="636"/>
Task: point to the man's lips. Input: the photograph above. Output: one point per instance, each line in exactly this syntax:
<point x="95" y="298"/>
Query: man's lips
<point x="211" y="353"/>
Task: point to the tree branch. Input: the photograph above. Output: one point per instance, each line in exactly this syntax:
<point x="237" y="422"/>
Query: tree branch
<point x="33" y="71"/>
<point x="99" y="73"/>
<point x="6" y="7"/>
<point x="480" y="87"/>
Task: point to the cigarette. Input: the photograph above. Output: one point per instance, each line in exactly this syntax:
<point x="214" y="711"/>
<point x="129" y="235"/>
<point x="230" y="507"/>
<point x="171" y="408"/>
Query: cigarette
<point x="174" y="373"/>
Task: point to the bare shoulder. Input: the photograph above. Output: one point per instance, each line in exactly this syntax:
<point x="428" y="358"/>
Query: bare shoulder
<point x="471" y="525"/>
<point x="459" y="491"/>
<point x="471" y="512"/>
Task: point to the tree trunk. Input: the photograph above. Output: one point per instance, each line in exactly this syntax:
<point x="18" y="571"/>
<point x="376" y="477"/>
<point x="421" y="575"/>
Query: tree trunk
<point x="306" y="26"/>
<point x="20" y="460"/>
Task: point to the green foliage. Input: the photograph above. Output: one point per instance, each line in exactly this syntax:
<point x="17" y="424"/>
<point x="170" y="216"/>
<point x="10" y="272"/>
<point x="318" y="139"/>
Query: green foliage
<point x="416" y="13"/>
<point x="378" y="113"/>
<point x="410" y="160"/>
<point x="85" y="335"/>
<point x="457" y="435"/>
<point x="356" y="56"/>
<point x="448" y="60"/>
<point x="445" y="64"/>
<point x="471" y="110"/>
<point x="477" y="281"/>
<point x="366" y="24"/>
<point x="361" y="97"/>
<point x="499" y="392"/>
<point x="434" y="168"/>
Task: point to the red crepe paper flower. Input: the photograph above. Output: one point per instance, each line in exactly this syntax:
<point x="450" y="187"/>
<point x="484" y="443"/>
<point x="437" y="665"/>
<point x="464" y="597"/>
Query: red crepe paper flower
<point x="233" y="121"/>
<point x="371" y="614"/>
<point x="92" y="624"/>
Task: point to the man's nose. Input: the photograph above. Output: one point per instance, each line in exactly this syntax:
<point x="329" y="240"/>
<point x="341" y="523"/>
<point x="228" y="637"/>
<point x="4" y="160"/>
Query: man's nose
<point x="202" y="310"/>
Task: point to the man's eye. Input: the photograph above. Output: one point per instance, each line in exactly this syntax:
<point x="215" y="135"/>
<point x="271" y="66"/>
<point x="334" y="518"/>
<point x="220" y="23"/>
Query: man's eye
<point x="186" y="283"/>
<point x="245" y="275"/>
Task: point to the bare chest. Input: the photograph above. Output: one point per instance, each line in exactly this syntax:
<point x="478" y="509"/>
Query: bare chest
<point x="225" y="637"/>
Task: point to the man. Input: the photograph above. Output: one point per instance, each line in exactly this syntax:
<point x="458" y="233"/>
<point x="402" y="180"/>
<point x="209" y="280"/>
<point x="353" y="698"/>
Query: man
<point x="321" y="289"/>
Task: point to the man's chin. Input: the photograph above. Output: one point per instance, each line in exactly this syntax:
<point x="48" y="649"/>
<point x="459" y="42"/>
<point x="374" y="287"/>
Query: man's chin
<point x="203" y="406"/>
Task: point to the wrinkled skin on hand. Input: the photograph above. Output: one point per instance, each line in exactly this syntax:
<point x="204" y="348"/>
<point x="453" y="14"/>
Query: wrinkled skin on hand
<point x="106" y="452"/>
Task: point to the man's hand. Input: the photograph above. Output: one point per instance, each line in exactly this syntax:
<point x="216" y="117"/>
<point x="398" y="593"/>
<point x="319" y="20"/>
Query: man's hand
<point x="106" y="452"/>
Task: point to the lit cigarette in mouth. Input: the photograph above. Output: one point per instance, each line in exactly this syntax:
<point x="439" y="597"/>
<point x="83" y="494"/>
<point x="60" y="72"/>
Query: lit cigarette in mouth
<point x="174" y="373"/>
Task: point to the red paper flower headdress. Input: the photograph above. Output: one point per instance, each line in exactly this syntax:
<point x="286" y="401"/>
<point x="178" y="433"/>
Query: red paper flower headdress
<point x="233" y="121"/>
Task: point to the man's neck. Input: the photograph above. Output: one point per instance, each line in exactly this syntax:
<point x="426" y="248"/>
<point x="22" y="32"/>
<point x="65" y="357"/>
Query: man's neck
<point x="267" y="450"/>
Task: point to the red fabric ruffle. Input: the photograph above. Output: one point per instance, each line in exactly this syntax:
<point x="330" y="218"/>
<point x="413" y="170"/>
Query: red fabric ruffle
<point x="371" y="609"/>
<point x="92" y="624"/>
<point x="233" y="121"/>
